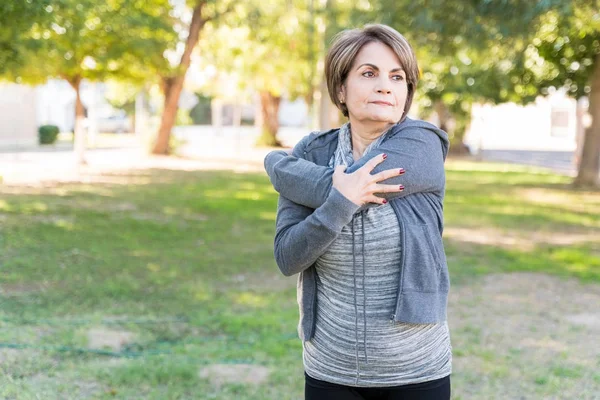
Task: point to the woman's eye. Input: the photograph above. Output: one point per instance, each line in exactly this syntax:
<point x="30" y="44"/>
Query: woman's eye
<point x="368" y="74"/>
<point x="398" y="78"/>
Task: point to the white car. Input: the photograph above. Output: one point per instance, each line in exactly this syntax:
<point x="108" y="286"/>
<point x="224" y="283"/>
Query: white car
<point x="114" y="124"/>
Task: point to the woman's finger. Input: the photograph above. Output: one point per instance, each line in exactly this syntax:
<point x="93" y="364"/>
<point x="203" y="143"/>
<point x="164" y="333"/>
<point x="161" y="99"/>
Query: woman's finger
<point x="387" y="174"/>
<point x="380" y="188"/>
<point x="375" y="199"/>
<point x="373" y="162"/>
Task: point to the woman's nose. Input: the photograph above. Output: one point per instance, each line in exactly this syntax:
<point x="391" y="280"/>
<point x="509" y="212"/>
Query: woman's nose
<point x="383" y="87"/>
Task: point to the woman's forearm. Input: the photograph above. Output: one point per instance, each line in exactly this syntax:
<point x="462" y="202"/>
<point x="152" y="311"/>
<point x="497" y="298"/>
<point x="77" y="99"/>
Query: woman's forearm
<point x="297" y="179"/>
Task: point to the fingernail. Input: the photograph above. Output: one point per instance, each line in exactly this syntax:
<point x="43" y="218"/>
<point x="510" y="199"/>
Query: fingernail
<point x="401" y="171"/>
<point x="401" y="187"/>
<point x="384" y="156"/>
<point x="384" y="201"/>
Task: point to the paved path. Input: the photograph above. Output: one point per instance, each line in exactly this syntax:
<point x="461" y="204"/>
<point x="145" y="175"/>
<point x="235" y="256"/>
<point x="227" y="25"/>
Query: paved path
<point x="558" y="161"/>
<point x="202" y="148"/>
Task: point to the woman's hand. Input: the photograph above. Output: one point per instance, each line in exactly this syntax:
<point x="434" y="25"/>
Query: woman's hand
<point x="360" y="186"/>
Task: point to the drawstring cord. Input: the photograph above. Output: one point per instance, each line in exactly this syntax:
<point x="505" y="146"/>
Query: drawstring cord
<point x="362" y="216"/>
<point x="364" y="292"/>
<point x="355" y="305"/>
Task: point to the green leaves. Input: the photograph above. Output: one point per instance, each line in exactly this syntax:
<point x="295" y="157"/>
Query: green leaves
<point x="16" y="18"/>
<point x="93" y="40"/>
<point x="568" y="43"/>
<point x="262" y="46"/>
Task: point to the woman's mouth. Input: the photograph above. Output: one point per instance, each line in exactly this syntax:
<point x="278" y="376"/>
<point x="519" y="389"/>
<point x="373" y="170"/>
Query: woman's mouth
<point x="382" y="103"/>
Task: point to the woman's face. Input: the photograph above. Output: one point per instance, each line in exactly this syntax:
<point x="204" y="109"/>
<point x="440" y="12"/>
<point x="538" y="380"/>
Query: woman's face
<point x="375" y="90"/>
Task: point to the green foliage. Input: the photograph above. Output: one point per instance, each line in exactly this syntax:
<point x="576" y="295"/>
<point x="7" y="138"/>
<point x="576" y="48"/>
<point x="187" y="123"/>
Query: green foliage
<point x="48" y="134"/>
<point x="16" y="18"/>
<point x="183" y="117"/>
<point x="566" y="47"/>
<point x="77" y="39"/>
<point x="262" y="46"/>
<point x="121" y="95"/>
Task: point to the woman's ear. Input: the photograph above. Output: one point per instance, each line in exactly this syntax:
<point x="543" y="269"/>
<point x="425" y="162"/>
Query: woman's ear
<point x="342" y="95"/>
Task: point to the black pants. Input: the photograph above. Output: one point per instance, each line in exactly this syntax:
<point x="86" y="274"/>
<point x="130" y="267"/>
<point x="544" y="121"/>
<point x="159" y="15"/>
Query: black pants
<point x="438" y="389"/>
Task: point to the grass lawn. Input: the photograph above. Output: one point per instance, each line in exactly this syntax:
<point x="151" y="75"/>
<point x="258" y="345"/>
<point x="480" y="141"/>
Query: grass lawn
<point x="162" y="285"/>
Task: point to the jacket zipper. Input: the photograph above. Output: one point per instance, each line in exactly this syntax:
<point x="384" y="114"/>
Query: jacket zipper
<point x="314" y="303"/>
<point x="402" y="259"/>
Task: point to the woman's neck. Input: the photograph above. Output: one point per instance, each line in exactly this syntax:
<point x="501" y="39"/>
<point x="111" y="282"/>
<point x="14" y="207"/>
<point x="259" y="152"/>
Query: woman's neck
<point x="363" y="135"/>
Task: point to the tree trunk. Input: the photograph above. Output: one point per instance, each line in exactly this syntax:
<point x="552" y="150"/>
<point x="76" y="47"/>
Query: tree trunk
<point x="270" y="119"/>
<point x="589" y="166"/>
<point x="173" y="85"/>
<point x="79" y="129"/>
<point x="453" y="125"/>
<point x="92" y="118"/>
<point x="580" y="112"/>
<point x="443" y="114"/>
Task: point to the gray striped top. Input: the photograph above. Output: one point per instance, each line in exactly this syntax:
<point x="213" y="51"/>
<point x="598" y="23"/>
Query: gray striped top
<point x="355" y="343"/>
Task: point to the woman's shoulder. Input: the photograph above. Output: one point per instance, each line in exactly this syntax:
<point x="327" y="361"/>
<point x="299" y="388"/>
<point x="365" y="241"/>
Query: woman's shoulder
<point x="417" y="127"/>
<point x="421" y="133"/>
<point x="410" y="124"/>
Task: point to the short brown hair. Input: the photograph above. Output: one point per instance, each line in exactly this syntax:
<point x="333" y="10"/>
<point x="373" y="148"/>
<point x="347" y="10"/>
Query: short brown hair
<point x="345" y="48"/>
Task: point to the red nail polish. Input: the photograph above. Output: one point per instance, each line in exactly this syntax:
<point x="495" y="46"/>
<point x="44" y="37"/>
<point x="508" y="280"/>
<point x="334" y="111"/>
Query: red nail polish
<point x="384" y="201"/>
<point x="401" y="171"/>
<point x="401" y="187"/>
<point x="384" y="156"/>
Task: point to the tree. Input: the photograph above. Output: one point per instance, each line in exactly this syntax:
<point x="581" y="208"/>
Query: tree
<point x="565" y="51"/>
<point x="172" y="82"/>
<point x="268" y="48"/>
<point x="85" y="39"/>
<point x="172" y="79"/>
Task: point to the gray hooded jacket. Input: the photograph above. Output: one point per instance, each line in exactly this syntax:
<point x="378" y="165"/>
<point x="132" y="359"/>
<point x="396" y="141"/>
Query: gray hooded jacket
<point x="311" y="214"/>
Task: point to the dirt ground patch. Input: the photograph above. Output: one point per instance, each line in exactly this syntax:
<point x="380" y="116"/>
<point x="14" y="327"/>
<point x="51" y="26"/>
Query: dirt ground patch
<point x="536" y="333"/>
<point x="101" y="338"/>
<point x="23" y="289"/>
<point x="220" y="374"/>
<point x="8" y="356"/>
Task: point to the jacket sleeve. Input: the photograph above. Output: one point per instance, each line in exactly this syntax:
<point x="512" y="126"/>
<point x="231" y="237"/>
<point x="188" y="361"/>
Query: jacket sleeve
<point x="303" y="234"/>
<point x="418" y="151"/>
<point x="297" y="179"/>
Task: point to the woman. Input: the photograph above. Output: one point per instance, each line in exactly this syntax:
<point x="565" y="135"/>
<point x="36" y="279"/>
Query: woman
<point x="373" y="280"/>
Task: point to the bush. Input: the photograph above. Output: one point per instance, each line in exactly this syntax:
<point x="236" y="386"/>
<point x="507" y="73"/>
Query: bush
<point x="48" y="134"/>
<point x="201" y="114"/>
